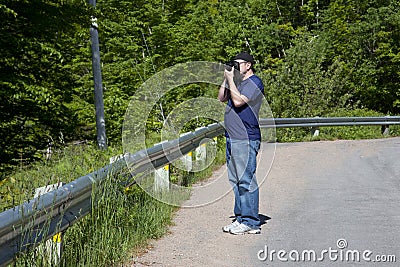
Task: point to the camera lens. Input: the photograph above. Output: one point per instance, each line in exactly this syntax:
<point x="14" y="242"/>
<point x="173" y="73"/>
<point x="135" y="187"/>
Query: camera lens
<point x="229" y="65"/>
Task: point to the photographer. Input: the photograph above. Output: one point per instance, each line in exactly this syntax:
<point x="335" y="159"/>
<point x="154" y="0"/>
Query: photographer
<point x="243" y="91"/>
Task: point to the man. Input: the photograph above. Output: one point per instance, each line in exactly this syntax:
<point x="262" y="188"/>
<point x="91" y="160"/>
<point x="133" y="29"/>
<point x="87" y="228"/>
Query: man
<point x="243" y="139"/>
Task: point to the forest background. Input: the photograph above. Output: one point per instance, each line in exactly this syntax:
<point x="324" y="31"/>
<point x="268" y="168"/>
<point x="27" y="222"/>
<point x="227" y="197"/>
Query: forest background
<point x="316" y="57"/>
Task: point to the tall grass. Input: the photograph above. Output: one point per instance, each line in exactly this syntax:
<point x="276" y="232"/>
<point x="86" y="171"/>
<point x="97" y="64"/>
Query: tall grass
<point x="65" y="166"/>
<point x="122" y="219"/>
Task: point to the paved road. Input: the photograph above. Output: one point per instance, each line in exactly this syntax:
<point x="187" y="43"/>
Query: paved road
<point x="337" y="199"/>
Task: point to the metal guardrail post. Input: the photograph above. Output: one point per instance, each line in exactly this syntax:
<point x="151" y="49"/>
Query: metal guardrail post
<point x="52" y="249"/>
<point x="315" y="130"/>
<point x="385" y="130"/>
<point x="161" y="177"/>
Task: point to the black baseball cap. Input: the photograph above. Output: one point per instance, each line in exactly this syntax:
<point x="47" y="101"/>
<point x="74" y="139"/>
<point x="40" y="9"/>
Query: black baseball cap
<point x="246" y="57"/>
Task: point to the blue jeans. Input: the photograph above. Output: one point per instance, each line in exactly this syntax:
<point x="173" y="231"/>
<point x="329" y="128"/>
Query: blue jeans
<point x="241" y="159"/>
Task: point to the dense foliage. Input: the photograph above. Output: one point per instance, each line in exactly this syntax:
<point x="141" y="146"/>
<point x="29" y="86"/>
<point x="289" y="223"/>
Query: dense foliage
<point x="315" y="57"/>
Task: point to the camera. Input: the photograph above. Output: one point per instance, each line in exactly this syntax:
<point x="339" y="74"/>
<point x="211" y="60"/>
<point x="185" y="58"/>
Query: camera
<point x="231" y="64"/>
<point x="236" y="73"/>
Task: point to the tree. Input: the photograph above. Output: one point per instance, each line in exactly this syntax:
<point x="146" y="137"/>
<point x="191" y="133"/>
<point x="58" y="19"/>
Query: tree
<point x="303" y="86"/>
<point x="34" y="75"/>
<point x="365" y="37"/>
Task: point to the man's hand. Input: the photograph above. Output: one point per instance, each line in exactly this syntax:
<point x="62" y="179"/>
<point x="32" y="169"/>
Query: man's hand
<point x="229" y="74"/>
<point x="237" y="98"/>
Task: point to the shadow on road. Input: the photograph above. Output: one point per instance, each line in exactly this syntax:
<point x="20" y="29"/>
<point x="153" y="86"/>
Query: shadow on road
<point x="263" y="218"/>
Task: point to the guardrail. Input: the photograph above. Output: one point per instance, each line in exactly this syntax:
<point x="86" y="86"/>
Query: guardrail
<point x="333" y="121"/>
<point x="26" y="225"/>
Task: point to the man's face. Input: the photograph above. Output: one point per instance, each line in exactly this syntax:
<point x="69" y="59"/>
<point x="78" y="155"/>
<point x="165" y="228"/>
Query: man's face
<point x="244" y="66"/>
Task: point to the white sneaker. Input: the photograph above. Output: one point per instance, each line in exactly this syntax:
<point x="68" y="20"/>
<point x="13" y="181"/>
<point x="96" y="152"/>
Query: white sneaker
<point x="227" y="228"/>
<point x="244" y="229"/>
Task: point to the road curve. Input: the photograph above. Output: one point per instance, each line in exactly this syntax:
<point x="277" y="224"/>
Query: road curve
<point x="331" y="203"/>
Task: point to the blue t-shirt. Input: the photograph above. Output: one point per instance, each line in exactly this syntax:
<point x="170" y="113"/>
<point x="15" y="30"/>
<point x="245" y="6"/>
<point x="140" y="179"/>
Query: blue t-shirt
<point x="242" y="122"/>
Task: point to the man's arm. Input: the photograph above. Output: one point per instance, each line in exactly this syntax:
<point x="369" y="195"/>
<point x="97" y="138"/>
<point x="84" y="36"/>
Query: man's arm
<point x="222" y="94"/>
<point x="237" y="98"/>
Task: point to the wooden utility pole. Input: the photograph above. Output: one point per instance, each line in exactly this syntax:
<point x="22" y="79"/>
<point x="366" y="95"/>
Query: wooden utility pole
<point x="98" y="87"/>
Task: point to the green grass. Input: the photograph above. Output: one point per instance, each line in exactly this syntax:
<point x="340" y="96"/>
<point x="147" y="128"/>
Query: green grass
<point x="122" y="220"/>
<point x="65" y="166"/>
